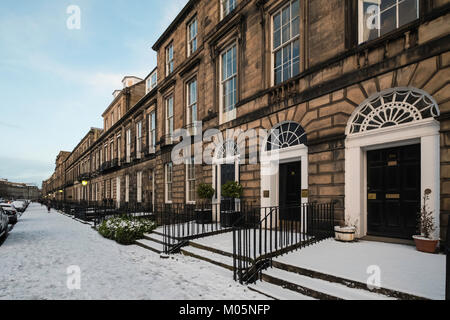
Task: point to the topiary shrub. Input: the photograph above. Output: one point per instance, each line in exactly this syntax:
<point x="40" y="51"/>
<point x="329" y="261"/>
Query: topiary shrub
<point x="205" y="191"/>
<point x="232" y="190"/>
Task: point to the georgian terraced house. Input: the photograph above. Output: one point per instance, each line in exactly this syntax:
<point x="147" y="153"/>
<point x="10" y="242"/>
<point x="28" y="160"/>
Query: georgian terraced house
<point x="357" y="90"/>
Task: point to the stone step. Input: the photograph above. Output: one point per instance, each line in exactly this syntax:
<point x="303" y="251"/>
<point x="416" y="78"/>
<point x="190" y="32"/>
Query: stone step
<point x="346" y="282"/>
<point x="317" y="288"/>
<point x="195" y="244"/>
<point x="150" y="245"/>
<point x="154" y="237"/>
<point x="276" y="292"/>
<point x="208" y="256"/>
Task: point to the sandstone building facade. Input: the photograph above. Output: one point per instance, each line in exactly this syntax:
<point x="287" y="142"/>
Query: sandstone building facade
<point x="357" y="90"/>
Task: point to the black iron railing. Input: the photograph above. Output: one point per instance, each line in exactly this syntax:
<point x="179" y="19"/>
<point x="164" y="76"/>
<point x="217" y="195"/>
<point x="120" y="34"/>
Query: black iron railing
<point x="97" y="212"/>
<point x="184" y="222"/>
<point x="279" y="231"/>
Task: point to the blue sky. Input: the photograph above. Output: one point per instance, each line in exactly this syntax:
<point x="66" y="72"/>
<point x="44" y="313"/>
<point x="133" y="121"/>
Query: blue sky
<point x="55" y="82"/>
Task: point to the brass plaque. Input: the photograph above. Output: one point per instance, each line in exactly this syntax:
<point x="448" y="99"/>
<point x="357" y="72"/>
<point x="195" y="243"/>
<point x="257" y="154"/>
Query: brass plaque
<point x="392" y="163"/>
<point x="266" y="194"/>
<point x="372" y="196"/>
<point x="305" y="193"/>
<point x="392" y="196"/>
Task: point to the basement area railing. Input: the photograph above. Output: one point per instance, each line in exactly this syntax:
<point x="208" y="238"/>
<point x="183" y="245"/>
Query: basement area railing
<point x="186" y="222"/>
<point x="279" y="231"/>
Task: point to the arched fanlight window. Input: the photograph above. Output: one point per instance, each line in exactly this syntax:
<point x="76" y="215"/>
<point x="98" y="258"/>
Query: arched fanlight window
<point x="285" y="135"/>
<point x="228" y="149"/>
<point x="392" y="107"/>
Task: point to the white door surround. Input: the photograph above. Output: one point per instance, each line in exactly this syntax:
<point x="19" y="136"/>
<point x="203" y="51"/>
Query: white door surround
<point x="421" y="128"/>
<point x="270" y="175"/>
<point x="286" y="143"/>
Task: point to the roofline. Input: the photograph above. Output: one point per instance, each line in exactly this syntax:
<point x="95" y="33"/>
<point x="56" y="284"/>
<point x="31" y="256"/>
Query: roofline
<point x="119" y="95"/>
<point x="173" y="25"/>
<point x="131" y="77"/>
<point x="148" y="76"/>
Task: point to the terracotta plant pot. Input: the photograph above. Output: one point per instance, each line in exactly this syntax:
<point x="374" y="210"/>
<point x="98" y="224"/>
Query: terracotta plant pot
<point x="426" y="245"/>
<point x="345" y="234"/>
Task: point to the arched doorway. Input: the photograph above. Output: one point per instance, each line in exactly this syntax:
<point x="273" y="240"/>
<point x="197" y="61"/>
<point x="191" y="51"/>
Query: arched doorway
<point x="284" y="166"/>
<point x="225" y="166"/>
<point x="392" y="156"/>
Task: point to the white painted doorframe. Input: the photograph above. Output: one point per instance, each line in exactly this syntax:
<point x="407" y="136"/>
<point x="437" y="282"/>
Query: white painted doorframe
<point x="270" y="175"/>
<point x="425" y="132"/>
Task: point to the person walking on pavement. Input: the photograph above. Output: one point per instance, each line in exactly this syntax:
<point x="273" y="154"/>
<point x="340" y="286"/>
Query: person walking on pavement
<point x="48" y="206"/>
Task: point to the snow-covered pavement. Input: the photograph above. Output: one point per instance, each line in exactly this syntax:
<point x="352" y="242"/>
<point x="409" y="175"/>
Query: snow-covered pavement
<point x="38" y="252"/>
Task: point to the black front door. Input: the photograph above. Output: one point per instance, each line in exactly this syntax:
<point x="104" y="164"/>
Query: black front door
<point x="393" y="195"/>
<point x="290" y="190"/>
<point x="227" y="173"/>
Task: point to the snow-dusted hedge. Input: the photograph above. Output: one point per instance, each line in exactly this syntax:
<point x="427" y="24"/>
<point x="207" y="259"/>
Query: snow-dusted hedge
<point x="125" y="230"/>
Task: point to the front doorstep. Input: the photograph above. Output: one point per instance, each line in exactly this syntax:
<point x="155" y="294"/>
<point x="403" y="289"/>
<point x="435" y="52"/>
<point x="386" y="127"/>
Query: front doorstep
<point x="389" y="240"/>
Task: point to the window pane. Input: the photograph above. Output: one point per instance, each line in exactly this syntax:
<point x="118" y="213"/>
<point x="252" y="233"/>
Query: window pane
<point x="278" y="78"/>
<point x="388" y="20"/>
<point x="233" y="60"/>
<point x="278" y="57"/>
<point x="296" y="27"/>
<point x="276" y="39"/>
<point x="295" y="9"/>
<point x="296" y="58"/>
<point x="387" y="3"/>
<point x="286" y="33"/>
<point x="277" y="22"/>
<point x="408" y="12"/>
<point x="194" y="113"/>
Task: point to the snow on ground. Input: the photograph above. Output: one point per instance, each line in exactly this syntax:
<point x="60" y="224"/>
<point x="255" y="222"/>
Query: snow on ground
<point x="402" y="267"/>
<point x="35" y="257"/>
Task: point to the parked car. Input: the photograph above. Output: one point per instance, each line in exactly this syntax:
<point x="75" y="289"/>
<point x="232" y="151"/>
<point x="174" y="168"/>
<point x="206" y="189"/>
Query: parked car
<point x="4" y="224"/>
<point x="20" y="205"/>
<point x="10" y="211"/>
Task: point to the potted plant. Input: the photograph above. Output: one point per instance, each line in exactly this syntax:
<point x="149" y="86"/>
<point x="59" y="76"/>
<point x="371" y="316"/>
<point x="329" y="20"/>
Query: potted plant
<point x="205" y="192"/>
<point x="425" y="241"/>
<point x="347" y="232"/>
<point x="230" y="192"/>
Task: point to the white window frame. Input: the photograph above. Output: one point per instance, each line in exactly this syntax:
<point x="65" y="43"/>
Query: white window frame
<point x="168" y="182"/>
<point x="111" y="149"/>
<point x="169" y="59"/>
<point x="225" y="7"/>
<point x="111" y="183"/>
<point x="128" y="148"/>
<point x="230" y="115"/>
<point x="127" y="188"/>
<point x="361" y="18"/>
<point x="169" y="119"/>
<point x="192" y="39"/>
<point x="139" y="187"/>
<point x="118" y="149"/>
<point x="191" y="122"/>
<point x="190" y="179"/>
<point x="139" y="140"/>
<point x="287" y="43"/>
<point x="118" y="192"/>
<point x="152" y="81"/>
<point x="152" y="132"/>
